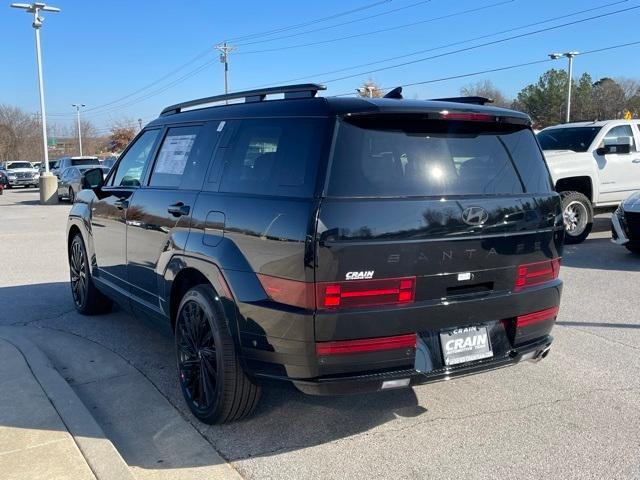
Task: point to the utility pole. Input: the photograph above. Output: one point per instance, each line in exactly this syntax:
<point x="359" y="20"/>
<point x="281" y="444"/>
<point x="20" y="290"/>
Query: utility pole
<point x="225" y="50"/>
<point x="77" y="107"/>
<point x="140" y="123"/>
<point x="569" y="55"/>
<point x="48" y="183"/>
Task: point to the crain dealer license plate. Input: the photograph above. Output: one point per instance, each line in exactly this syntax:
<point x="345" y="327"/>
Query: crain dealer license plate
<point x="465" y="345"/>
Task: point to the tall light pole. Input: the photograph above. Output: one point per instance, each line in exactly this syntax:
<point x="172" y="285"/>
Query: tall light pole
<point x="78" y="106"/>
<point x="48" y="183"/>
<point x="225" y="50"/>
<point x="569" y="55"/>
<point x="140" y="123"/>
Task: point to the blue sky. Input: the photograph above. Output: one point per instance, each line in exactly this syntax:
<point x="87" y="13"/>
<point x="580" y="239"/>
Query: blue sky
<point x="98" y="52"/>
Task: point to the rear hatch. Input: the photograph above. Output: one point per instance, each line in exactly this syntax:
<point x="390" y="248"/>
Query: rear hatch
<point x="422" y="211"/>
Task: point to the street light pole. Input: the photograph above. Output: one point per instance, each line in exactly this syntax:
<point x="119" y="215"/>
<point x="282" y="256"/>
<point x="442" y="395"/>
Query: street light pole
<point x="570" y="56"/>
<point x="48" y="192"/>
<point x="78" y="105"/>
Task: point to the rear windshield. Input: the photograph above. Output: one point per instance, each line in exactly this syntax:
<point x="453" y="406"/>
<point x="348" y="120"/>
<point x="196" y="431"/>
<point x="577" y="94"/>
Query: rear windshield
<point x="84" y="161"/>
<point x="379" y="157"/>
<point x="577" y="139"/>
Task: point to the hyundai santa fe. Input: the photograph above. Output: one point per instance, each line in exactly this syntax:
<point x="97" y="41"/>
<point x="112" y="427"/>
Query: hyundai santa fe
<point x="345" y="245"/>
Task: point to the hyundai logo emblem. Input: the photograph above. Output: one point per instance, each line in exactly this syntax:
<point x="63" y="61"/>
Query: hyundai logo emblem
<point x="474" y="216"/>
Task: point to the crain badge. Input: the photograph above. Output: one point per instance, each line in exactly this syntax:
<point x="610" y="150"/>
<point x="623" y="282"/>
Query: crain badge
<point x="359" y="275"/>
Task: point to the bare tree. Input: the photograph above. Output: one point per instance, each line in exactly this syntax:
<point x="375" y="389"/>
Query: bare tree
<point x="20" y="137"/>
<point x="486" y="89"/>
<point x="122" y="132"/>
<point x="370" y="89"/>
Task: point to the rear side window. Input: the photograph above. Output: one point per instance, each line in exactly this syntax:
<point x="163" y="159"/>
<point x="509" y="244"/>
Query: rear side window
<point x="405" y="156"/>
<point x="274" y="157"/>
<point x="176" y="150"/>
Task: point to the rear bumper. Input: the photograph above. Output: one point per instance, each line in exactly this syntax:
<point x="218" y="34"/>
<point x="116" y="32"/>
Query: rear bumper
<point x="267" y="353"/>
<point x="374" y="382"/>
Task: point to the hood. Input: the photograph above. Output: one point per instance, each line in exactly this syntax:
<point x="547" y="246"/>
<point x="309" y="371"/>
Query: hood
<point x="558" y="153"/>
<point x="21" y="170"/>
<point x="632" y="203"/>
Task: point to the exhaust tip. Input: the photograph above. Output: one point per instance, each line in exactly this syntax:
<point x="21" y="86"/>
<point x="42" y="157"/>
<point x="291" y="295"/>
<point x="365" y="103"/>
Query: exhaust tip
<point x="540" y="354"/>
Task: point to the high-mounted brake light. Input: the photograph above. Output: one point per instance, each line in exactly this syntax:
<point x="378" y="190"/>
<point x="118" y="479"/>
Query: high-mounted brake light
<point x="366" y="345"/>
<point x="470" y="117"/>
<point x="531" y="274"/>
<point x="388" y="291"/>
<point x="537" y="317"/>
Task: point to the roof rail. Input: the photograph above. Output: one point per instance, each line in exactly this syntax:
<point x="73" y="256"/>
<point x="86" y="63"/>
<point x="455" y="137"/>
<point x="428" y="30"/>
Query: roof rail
<point x="473" y="100"/>
<point x="303" y="90"/>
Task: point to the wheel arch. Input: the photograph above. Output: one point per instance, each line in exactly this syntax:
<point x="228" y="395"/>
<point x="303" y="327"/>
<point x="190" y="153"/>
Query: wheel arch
<point x="582" y="184"/>
<point x="183" y="273"/>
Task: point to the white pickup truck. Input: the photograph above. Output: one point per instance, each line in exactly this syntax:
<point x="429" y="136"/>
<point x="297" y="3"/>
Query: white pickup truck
<point x="594" y="167"/>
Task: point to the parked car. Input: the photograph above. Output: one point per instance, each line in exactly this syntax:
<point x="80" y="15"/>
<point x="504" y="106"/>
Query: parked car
<point x="109" y="162"/>
<point x="4" y="182"/>
<point x="594" y="166"/>
<point x="21" y="174"/>
<point x="344" y="245"/>
<point x="625" y="223"/>
<point x="65" y="162"/>
<point x="70" y="181"/>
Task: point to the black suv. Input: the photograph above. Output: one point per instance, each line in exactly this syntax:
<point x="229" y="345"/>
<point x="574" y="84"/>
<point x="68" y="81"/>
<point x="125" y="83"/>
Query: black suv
<point x="343" y="244"/>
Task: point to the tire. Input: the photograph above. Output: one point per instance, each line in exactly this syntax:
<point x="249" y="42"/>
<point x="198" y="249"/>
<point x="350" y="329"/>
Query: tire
<point x="72" y="195"/>
<point x="213" y="383"/>
<point x="87" y="299"/>
<point x="578" y="217"/>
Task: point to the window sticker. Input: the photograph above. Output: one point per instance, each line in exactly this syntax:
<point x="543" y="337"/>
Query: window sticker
<point x="172" y="158"/>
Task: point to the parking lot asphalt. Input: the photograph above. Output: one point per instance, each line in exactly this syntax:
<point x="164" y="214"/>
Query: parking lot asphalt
<point x="573" y="415"/>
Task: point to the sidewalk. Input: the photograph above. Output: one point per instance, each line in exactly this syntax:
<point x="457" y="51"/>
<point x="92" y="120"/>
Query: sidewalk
<point x="34" y="441"/>
<point x="109" y="420"/>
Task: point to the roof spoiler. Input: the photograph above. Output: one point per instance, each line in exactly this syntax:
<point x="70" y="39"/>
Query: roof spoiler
<point x="470" y="100"/>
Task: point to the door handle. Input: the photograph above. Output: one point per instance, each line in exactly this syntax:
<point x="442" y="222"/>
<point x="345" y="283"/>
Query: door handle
<point x="121" y="204"/>
<point x="178" y="209"/>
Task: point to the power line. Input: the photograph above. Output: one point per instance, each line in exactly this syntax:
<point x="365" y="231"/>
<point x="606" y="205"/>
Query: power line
<point x="374" y="32"/>
<point x="349" y="22"/>
<point x="493" y="42"/>
<point x="210" y="49"/>
<point x="461" y="42"/>
<point x="307" y="23"/>
<point x="497" y="69"/>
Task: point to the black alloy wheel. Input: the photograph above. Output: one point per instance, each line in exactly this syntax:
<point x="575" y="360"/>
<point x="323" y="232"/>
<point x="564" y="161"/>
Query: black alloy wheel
<point x="197" y="363"/>
<point x="79" y="273"/>
<point x="213" y="383"/>
<point x="87" y="299"/>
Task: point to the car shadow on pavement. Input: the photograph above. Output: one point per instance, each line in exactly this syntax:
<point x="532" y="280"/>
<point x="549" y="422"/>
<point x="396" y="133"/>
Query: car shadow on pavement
<point x="285" y="420"/>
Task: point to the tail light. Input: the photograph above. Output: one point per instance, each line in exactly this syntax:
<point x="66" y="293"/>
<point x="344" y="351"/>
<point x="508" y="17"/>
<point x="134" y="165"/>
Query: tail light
<point x="289" y="292"/>
<point x="537" y="273"/>
<point x="366" y="345"/>
<point x="469" y="117"/>
<point x="536" y="317"/>
<point x="349" y="294"/>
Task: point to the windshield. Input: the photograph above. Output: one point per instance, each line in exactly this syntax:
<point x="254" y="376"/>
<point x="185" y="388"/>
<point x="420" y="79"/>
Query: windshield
<point x="577" y="139"/>
<point x="84" y="161"/>
<point x="13" y="165"/>
<point x="405" y="157"/>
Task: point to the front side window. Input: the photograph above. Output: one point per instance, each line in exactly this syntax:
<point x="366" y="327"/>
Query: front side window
<point x="131" y="166"/>
<point x="274" y="157"/>
<point x="577" y="139"/>
<point x="174" y="154"/>
<point x="405" y="156"/>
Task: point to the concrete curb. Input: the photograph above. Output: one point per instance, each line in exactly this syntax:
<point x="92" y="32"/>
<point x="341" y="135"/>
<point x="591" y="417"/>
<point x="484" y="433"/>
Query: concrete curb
<point x="99" y="453"/>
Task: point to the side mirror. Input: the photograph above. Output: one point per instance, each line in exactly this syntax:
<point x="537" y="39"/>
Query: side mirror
<point x="93" y="178"/>
<point x="616" y="145"/>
